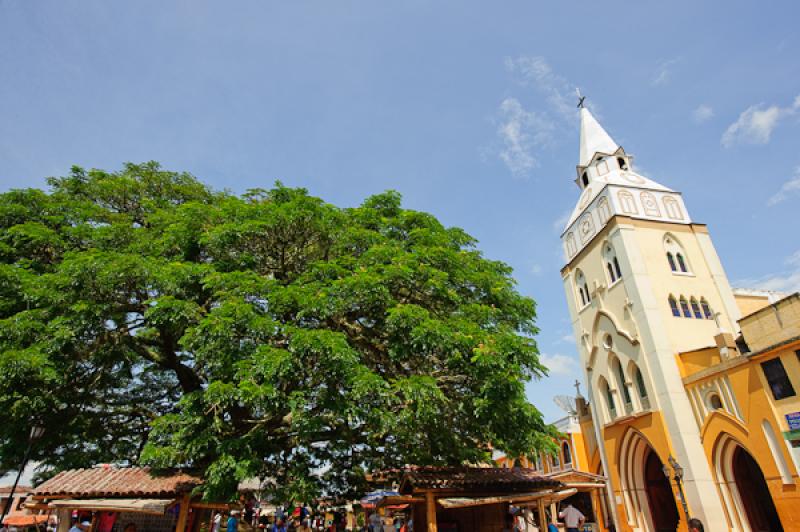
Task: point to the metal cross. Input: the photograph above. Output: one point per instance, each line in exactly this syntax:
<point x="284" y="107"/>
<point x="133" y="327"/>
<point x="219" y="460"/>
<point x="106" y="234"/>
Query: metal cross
<point x="578" y="387"/>
<point x="580" y="98"/>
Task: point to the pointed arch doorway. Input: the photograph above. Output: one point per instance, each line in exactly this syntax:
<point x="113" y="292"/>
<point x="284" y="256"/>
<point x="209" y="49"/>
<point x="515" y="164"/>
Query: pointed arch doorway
<point x="744" y="487"/>
<point x="647" y="494"/>
<point x="754" y="492"/>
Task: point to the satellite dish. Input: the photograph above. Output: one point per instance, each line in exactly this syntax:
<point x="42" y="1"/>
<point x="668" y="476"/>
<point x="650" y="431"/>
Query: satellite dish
<point x="566" y="403"/>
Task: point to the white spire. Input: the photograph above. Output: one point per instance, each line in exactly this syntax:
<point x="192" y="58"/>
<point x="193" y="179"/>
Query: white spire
<point x="594" y="138"/>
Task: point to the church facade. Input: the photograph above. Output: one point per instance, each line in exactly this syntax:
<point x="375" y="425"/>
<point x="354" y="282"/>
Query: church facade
<point x="682" y="414"/>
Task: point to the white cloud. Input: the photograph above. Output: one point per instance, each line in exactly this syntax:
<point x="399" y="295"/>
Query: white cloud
<point x="559" y="364"/>
<point x="664" y="72"/>
<point x="787" y="189"/>
<point x="702" y="113"/>
<point x="536" y="72"/>
<point x="568" y="339"/>
<point x="536" y="269"/>
<point x="756" y="123"/>
<point x="521" y="132"/>
<point x="785" y="281"/>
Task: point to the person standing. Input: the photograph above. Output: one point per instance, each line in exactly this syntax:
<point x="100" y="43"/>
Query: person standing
<point x="573" y="518"/>
<point x="233" y="522"/>
<point x="696" y="525"/>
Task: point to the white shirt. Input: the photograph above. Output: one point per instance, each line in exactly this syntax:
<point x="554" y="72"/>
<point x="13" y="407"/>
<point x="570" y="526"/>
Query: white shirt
<point x="571" y="516"/>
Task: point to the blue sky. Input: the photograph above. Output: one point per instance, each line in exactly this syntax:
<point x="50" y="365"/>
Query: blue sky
<point x="465" y="107"/>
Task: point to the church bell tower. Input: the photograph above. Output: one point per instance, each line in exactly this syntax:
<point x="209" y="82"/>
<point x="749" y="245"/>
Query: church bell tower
<point x="643" y="283"/>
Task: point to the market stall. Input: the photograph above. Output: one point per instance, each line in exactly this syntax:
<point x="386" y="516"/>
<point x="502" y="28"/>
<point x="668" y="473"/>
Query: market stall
<point x="467" y="499"/>
<point x="111" y="498"/>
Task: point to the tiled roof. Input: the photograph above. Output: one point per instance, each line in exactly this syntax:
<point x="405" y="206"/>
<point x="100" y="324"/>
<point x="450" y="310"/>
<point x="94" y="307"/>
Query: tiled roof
<point x="107" y="481"/>
<point x="475" y="478"/>
<point x="21" y="490"/>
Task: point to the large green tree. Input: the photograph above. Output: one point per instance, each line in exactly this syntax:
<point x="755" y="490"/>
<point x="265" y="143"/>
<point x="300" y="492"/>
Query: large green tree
<point x="145" y="318"/>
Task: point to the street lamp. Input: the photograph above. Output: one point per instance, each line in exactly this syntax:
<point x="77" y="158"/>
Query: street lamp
<point x="678" y="478"/>
<point x="37" y="431"/>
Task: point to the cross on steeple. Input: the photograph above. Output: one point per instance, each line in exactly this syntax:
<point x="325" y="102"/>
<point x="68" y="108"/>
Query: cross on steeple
<point x="577" y="387"/>
<point x="580" y="98"/>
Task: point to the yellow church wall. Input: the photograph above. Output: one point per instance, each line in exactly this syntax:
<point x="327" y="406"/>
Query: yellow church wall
<point x="756" y="407"/>
<point x="652" y="428"/>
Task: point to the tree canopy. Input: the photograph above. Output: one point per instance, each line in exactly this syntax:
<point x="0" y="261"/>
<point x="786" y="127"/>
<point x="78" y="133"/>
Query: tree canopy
<point x="145" y="318"/>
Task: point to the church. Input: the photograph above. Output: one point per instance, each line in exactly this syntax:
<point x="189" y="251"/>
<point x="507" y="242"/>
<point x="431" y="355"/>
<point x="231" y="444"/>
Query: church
<point x="691" y="408"/>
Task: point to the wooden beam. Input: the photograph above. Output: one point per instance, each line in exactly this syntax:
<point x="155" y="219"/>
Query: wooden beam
<point x="542" y="516"/>
<point x="183" y="515"/>
<point x="464" y="502"/>
<point x="430" y="504"/>
<point x="212" y="505"/>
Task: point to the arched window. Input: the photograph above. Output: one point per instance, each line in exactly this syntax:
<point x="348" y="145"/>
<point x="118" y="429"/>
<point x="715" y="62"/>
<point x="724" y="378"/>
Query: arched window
<point x="706" y="309"/>
<point x="681" y="262"/>
<point x="714" y="401"/>
<point x="673" y="305"/>
<point x="696" y="309"/>
<point x="585" y="180"/>
<point x="583" y="289"/>
<point x="676" y="256"/>
<point x="556" y="461"/>
<point x="626" y="394"/>
<point x="622" y="164"/>
<point x="606" y="391"/>
<point x="612" y="264"/>
<point x="565" y="450"/>
<point x="685" y="308"/>
<point x="640" y="386"/>
<point x="671" y="261"/>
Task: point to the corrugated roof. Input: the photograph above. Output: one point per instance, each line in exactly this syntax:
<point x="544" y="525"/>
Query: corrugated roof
<point x="107" y="481"/>
<point x="472" y="478"/>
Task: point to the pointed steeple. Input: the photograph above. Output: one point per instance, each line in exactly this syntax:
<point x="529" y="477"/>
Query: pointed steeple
<point x="594" y="138"/>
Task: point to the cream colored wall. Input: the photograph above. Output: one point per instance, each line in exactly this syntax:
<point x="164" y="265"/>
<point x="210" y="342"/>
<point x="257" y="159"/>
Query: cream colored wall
<point x="770" y="326"/>
<point x="748" y="303"/>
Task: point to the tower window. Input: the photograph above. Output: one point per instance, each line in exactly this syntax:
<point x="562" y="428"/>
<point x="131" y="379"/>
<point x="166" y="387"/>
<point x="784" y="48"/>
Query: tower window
<point x="583" y="288"/>
<point x="706" y="309"/>
<point x="621" y="374"/>
<point x="777" y="378"/>
<point x="681" y="262"/>
<point x="585" y="179"/>
<point x="640" y="383"/>
<point x="616" y="267"/>
<point x="685" y="308"/>
<point x="673" y="304"/>
<point x="671" y="261"/>
<point x="676" y="256"/>
<point x="622" y="164"/>
<point x="611" y="273"/>
<point x="612" y="264"/>
<point x="696" y="309"/>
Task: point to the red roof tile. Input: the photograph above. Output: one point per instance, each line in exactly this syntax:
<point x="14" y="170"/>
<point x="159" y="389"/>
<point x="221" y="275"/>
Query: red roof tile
<point x="482" y="478"/>
<point x="107" y="481"/>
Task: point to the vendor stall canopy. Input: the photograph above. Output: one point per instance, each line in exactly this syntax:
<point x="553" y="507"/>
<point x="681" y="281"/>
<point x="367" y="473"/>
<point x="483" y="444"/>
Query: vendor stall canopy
<point x="109" y="481"/>
<point x="474" y="478"/>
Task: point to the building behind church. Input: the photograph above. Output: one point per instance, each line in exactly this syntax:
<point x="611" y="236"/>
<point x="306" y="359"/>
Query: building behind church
<point x="691" y="406"/>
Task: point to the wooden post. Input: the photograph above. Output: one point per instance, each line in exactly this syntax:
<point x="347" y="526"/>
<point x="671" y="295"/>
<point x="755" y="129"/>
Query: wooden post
<point x="430" y="505"/>
<point x="183" y="515"/>
<point x="542" y="515"/>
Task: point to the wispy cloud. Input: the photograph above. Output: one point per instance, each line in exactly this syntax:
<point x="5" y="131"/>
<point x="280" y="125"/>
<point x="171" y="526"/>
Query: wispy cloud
<point x="536" y="269"/>
<point x="664" y="72"/>
<point x="790" y="187"/>
<point x="521" y="132"/>
<point x="756" y="123"/>
<point x="559" y="364"/>
<point x="561" y="221"/>
<point x="787" y="280"/>
<point x="535" y="72"/>
<point x="703" y="113"/>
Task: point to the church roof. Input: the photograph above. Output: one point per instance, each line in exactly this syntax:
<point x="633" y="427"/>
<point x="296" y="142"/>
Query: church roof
<point x="594" y="139"/>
